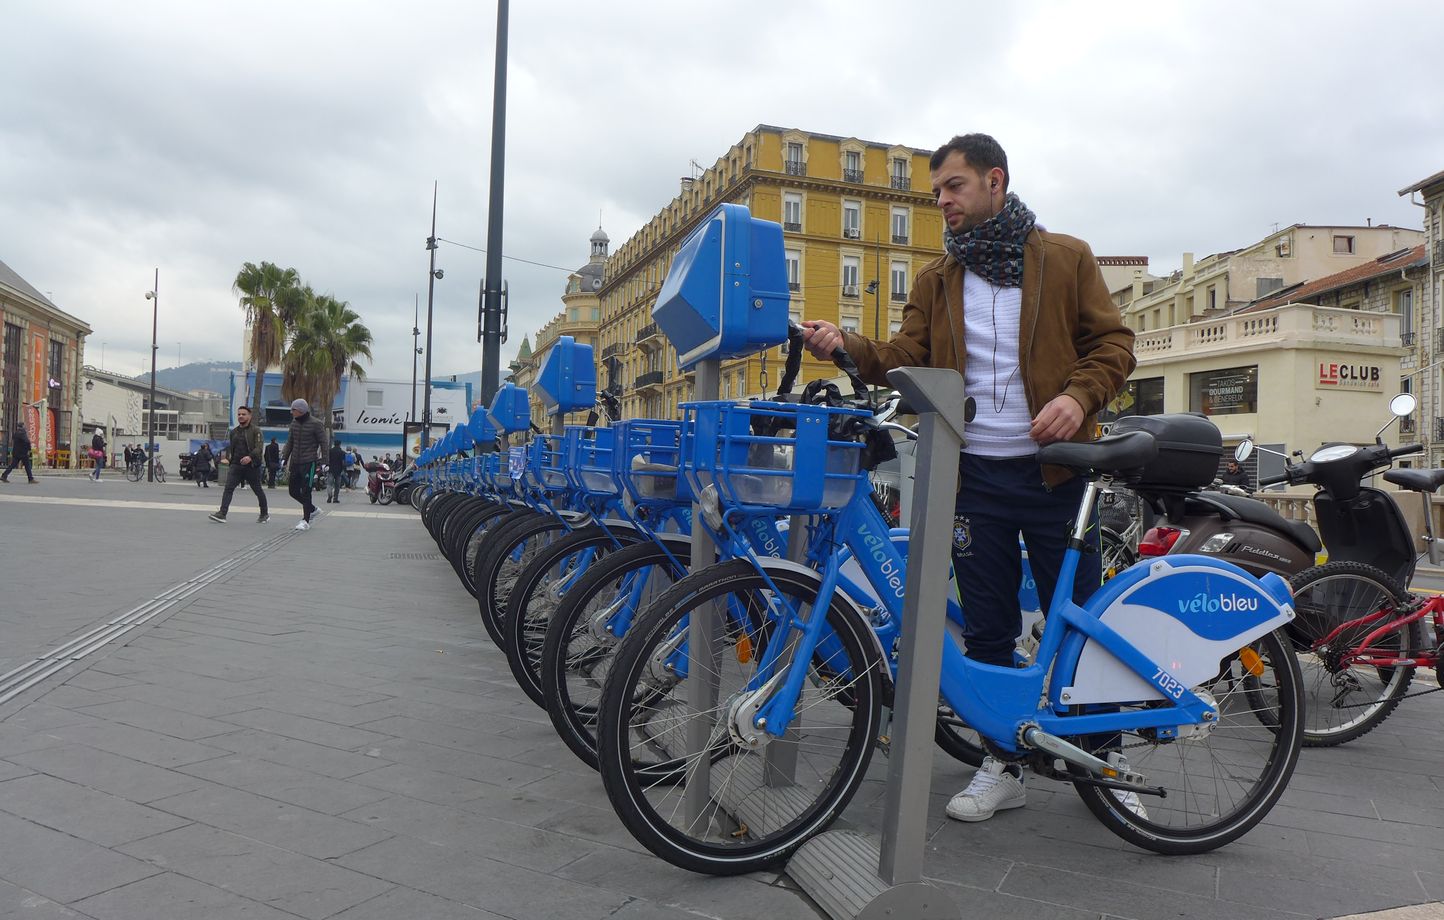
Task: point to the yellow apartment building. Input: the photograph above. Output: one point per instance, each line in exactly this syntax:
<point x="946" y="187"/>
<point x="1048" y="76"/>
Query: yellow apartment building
<point x="578" y="319"/>
<point x="858" y="221"/>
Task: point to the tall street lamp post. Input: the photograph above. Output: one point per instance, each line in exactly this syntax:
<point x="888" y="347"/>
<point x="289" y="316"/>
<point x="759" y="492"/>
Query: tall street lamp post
<point x="432" y="274"/>
<point x="153" y="295"/>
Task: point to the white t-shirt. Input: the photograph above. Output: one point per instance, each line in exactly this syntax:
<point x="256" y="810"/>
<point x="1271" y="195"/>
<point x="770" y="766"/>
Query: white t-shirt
<point x="991" y="317"/>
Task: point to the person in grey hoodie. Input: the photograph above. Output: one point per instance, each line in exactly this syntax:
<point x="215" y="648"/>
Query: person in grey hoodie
<point x="304" y="444"/>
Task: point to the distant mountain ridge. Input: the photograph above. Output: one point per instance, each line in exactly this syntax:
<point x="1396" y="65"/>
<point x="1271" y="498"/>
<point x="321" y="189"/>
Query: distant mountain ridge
<point x="198" y="375"/>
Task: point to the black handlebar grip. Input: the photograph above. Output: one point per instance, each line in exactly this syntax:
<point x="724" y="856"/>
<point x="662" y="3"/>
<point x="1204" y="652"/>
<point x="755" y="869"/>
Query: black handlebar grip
<point x="1406" y="449"/>
<point x="793" y="365"/>
<point x="1272" y="480"/>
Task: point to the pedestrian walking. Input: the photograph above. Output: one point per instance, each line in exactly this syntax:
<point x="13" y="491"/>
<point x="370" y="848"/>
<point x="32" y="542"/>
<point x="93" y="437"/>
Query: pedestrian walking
<point x="335" y="472"/>
<point x="19" y="454"/>
<point x="97" y="453"/>
<point x="273" y="463"/>
<point x="201" y="463"/>
<point x="245" y="466"/>
<point x="304" y="444"/>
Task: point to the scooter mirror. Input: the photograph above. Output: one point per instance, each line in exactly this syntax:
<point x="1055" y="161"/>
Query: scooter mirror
<point x="1244" y="450"/>
<point x="1403" y="404"/>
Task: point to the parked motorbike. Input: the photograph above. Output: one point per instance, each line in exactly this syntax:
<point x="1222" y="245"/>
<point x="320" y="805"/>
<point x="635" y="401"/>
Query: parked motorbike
<point x="1359" y="523"/>
<point x="1193" y="514"/>
<point x="381" y="484"/>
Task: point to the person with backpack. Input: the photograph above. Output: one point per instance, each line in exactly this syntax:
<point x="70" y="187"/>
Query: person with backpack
<point x="201" y="465"/>
<point x="97" y="453"/>
<point x="273" y="463"/>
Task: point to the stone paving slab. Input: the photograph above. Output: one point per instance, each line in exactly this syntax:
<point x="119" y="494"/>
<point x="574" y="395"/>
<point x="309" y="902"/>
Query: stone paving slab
<point x="328" y="733"/>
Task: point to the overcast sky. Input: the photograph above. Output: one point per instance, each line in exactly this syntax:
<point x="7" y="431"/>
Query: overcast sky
<point x="194" y="137"/>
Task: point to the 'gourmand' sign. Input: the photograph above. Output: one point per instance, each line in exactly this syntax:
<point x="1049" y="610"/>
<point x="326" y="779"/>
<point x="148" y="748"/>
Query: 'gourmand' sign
<point x="1350" y="376"/>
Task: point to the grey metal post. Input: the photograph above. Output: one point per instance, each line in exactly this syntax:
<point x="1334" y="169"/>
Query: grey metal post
<point x="430" y="301"/>
<point x="491" y="319"/>
<point x="909" y="777"/>
<point x="154" y="298"/>
<point x="703" y="646"/>
<point x="848" y="874"/>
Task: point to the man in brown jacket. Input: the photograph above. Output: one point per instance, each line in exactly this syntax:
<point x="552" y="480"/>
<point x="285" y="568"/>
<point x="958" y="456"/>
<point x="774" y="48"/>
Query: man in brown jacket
<point x="1025" y="316"/>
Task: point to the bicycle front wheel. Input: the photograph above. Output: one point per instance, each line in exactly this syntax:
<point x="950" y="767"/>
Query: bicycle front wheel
<point x="1343" y="698"/>
<point x="134" y="473"/>
<point x="1221" y="777"/>
<point x="760" y="796"/>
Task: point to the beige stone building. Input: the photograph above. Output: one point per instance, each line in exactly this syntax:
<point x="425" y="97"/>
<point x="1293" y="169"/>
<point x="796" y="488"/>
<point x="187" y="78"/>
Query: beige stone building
<point x="42" y="349"/>
<point x="1428" y="359"/>
<point x="858" y="223"/>
<point x="1224" y="282"/>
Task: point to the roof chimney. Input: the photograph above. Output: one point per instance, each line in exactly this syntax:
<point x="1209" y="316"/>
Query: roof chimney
<point x="1137" y="285"/>
<point x="1188" y="265"/>
<point x="687" y="184"/>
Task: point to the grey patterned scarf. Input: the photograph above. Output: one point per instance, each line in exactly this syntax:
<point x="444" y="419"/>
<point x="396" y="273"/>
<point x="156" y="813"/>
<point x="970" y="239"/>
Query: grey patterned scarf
<point x="994" y="248"/>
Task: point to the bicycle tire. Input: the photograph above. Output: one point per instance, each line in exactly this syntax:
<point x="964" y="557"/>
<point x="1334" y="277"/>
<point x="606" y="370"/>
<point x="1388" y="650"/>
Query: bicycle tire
<point x="1163" y="826"/>
<point x="575" y="661"/>
<point x="1341" y="702"/>
<point x="475" y="544"/>
<point x="743" y="841"/>
<point x="159" y="471"/>
<point x="459" y="528"/>
<point x="134" y="473"/>
<point x="531" y="604"/>
<point x="505" y="555"/>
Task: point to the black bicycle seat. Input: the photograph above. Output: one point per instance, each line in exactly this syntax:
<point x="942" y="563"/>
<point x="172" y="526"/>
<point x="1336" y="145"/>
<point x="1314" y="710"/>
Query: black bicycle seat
<point x="1113" y="454"/>
<point x="1416" y="480"/>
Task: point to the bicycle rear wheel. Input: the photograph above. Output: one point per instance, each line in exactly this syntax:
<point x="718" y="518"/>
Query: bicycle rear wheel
<point x="1345" y="699"/>
<point x="1221" y="777"/>
<point x="765" y="797"/>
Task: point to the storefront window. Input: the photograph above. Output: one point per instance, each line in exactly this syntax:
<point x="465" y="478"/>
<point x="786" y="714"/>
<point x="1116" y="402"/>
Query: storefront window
<point x="1227" y="391"/>
<point x="1138" y="397"/>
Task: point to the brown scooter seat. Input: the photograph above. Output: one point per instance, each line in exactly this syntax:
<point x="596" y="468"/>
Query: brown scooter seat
<point x="1416" y="480"/>
<point x="1256" y="512"/>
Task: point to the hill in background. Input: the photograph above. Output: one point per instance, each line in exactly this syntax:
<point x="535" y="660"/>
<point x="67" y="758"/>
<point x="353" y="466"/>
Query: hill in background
<point x="198" y="375"/>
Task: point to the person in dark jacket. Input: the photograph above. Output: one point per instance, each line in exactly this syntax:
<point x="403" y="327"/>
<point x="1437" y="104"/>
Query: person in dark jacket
<point x="335" y="472"/>
<point x="97" y="444"/>
<point x="273" y="463"/>
<point x="304" y="444"/>
<point x="19" y="454"/>
<point x="245" y="466"/>
<point x="1235" y="475"/>
<point x="201" y="463"/>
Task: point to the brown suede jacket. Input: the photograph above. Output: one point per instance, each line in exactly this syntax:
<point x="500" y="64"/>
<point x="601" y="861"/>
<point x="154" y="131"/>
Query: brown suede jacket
<point x="1071" y="337"/>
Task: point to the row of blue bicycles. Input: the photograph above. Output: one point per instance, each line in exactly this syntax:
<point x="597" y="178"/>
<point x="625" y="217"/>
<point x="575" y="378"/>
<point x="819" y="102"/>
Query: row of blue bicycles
<point x="1170" y="700"/>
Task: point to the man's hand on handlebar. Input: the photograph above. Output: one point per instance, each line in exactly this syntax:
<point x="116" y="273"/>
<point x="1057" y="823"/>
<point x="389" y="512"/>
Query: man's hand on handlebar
<point x="820" y="338"/>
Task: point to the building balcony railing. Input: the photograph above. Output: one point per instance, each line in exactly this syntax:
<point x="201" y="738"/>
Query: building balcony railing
<point x="791" y="227"/>
<point x="899" y="296"/>
<point x="650" y="337"/>
<point x="649" y="379"/>
<point x="615" y="348"/>
<point x="1292" y="323"/>
<point x="900" y="239"/>
<point x="1406" y="425"/>
<point x="1439" y="252"/>
<point x="794" y="286"/>
<point x="795" y="168"/>
<point x="852" y="175"/>
<point x="1407" y="339"/>
<point x="901" y="182"/>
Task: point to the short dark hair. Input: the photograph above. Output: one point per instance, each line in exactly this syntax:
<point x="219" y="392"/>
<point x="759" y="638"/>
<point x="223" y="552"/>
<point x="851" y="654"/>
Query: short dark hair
<point x="239" y="408"/>
<point x="981" y="151"/>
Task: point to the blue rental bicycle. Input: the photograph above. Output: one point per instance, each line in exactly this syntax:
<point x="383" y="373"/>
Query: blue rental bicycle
<point x="1168" y="700"/>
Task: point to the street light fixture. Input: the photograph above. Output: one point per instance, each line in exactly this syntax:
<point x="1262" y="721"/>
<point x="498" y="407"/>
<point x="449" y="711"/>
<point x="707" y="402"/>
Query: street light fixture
<point x="153" y="295"/>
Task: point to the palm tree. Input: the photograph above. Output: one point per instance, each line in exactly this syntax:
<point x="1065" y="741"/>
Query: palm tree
<point x="327" y="340"/>
<point x="267" y="295"/>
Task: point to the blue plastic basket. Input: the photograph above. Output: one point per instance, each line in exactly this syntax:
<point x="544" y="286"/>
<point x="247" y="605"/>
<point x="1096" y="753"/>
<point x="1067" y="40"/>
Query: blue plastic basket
<point x="589" y="460"/>
<point x="647" y="461"/>
<point x="545" y="461"/>
<point x="798" y="470"/>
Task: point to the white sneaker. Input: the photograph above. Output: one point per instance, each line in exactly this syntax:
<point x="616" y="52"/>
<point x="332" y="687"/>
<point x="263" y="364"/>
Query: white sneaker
<point x="303" y="526"/>
<point x="1127" y="798"/>
<point x="993" y="788"/>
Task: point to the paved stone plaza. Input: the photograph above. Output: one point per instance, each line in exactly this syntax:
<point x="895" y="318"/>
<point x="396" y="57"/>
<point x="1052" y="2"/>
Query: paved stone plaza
<point x="317" y="726"/>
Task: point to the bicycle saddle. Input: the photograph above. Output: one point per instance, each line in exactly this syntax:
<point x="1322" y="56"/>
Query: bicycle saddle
<point x="1416" y="480"/>
<point x="1113" y="454"/>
